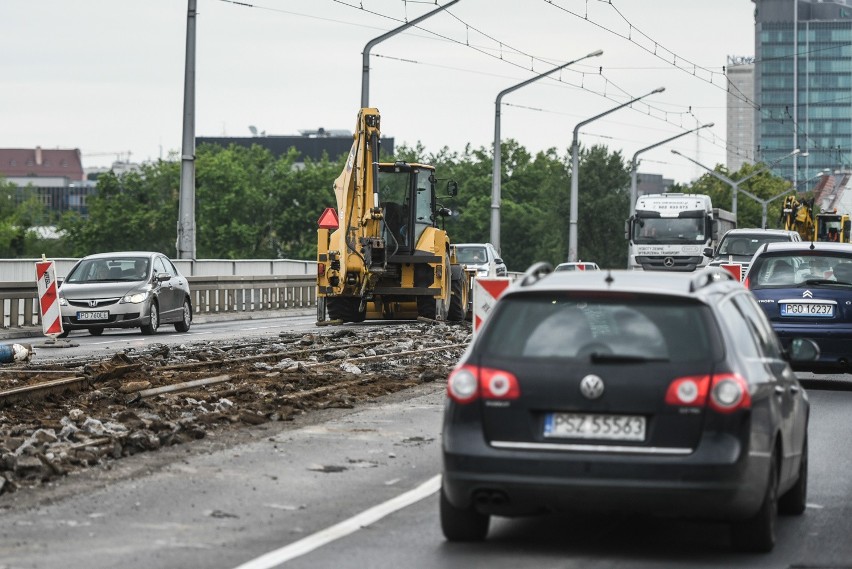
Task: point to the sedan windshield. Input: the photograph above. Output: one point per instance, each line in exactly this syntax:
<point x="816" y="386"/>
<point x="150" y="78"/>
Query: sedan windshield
<point x="110" y="270"/>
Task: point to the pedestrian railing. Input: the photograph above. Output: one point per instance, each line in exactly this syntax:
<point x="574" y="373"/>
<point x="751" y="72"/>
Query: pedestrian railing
<point x="210" y="295"/>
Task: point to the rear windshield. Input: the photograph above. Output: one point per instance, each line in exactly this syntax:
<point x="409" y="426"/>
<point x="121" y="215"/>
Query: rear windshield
<point x="786" y="269"/>
<point x="747" y="244"/>
<point x="573" y="327"/>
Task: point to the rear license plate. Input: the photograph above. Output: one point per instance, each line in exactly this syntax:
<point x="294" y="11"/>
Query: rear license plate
<point x="595" y="426"/>
<point x="807" y="309"/>
<point x="93" y="315"/>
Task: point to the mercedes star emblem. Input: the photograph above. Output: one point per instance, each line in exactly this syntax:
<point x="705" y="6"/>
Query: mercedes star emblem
<point x="668" y="261"/>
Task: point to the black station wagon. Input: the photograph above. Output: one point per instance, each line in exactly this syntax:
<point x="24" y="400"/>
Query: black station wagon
<point x="622" y="391"/>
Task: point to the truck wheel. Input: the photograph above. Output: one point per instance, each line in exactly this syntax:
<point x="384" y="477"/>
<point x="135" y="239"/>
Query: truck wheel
<point x="457" y="304"/>
<point x="345" y="309"/>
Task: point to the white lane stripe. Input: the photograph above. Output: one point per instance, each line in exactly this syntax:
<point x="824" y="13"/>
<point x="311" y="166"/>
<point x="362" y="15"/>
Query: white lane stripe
<point x="344" y="528"/>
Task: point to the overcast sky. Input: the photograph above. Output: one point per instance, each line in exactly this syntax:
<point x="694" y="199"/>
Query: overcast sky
<point x="106" y="76"/>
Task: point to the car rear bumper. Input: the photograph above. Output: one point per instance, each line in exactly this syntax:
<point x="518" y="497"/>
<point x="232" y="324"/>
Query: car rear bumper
<point x="835" y="346"/>
<point x="717" y="480"/>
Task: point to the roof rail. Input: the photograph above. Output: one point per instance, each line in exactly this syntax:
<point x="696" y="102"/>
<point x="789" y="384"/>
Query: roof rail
<point x="535" y="273"/>
<point x="709" y="276"/>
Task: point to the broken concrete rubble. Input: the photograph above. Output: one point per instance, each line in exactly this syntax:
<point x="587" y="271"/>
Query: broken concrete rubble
<point x="145" y="399"/>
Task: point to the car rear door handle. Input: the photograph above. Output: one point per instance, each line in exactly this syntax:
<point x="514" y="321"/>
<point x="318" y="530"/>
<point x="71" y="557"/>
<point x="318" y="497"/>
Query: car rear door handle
<point x="794" y="389"/>
<point x="779" y="390"/>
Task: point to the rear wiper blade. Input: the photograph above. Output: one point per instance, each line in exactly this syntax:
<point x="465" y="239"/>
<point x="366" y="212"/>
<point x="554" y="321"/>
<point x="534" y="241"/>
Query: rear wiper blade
<point x="822" y="281"/>
<point x="623" y="359"/>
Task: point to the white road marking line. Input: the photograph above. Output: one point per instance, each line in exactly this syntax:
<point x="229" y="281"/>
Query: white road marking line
<point x="344" y="528"/>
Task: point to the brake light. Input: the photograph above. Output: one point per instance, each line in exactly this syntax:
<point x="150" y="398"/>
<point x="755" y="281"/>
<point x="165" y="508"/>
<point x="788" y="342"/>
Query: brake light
<point x="468" y="382"/>
<point x="688" y="391"/>
<point x="729" y="393"/>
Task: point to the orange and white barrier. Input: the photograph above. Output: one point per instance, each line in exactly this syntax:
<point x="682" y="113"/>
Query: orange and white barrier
<point x="486" y="291"/>
<point x="48" y="298"/>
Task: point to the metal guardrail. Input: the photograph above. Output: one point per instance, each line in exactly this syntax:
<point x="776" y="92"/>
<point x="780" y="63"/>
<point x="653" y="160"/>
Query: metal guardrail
<point x="210" y="295"/>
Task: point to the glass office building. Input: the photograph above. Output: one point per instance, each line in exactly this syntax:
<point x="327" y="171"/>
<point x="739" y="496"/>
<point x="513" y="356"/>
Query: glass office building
<point x="820" y="79"/>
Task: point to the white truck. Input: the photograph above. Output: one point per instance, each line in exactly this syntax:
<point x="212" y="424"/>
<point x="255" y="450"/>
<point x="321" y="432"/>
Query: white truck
<point x="669" y="232"/>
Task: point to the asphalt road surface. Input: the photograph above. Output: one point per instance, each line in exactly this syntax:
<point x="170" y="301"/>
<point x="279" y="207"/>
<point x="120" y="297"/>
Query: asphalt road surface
<point x="356" y="489"/>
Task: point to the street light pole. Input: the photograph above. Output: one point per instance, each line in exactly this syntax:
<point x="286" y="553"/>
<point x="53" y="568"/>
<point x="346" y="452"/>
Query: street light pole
<point x="735" y="185"/>
<point x="496" y="168"/>
<point x="365" y="55"/>
<point x="186" y="202"/>
<point x="575" y="172"/>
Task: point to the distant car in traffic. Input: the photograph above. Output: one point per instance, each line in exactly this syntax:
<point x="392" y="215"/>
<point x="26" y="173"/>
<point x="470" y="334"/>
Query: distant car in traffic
<point x="738" y="246"/>
<point x="481" y="257"/>
<point x="578" y="266"/>
<point x="133" y="289"/>
<point x="805" y="289"/>
<point x="626" y="392"/>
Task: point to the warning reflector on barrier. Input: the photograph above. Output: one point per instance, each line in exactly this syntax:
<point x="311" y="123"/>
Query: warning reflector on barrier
<point x="48" y="298"/>
<point x="735" y="269"/>
<point x="486" y="291"/>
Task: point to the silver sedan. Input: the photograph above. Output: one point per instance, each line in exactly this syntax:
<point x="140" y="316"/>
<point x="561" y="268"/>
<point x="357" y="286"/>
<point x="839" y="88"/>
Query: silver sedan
<point x="124" y="290"/>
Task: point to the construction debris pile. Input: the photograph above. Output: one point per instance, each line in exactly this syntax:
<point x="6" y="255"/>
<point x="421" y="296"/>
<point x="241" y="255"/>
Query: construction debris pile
<point x="57" y="417"/>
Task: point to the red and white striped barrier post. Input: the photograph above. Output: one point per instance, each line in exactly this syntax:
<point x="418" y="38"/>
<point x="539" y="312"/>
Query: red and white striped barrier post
<point x="48" y="298"/>
<point x="486" y="291"/>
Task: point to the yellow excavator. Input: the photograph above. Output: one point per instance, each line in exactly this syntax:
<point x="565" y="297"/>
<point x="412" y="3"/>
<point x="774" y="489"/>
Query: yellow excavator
<point x="798" y="216"/>
<point x="833" y="227"/>
<point x="380" y="252"/>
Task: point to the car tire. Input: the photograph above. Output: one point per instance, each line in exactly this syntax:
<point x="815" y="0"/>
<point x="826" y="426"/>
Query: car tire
<point x="462" y="524"/>
<point x="96" y="331"/>
<point x="794" y="500"/>
<point x="186" y="320"/>
<point x="151" y="328"/>
<point x="757" y="534"/>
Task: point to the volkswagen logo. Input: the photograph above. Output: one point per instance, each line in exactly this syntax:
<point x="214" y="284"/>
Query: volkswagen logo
<point x="93" y="303"/>
<point x="591" y="387"/>
<point x="807" y="294"/>
<point x="668" y="261"/>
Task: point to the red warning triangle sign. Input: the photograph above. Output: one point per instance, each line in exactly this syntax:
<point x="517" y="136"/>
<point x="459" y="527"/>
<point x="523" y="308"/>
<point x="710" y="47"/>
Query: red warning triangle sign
<point x="328" y="219"/>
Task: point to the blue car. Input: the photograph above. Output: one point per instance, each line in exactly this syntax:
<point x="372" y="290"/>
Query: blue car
<point x="806" y="291"/>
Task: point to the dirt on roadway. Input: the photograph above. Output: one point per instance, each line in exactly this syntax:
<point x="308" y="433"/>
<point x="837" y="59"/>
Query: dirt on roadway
<point x="63" y="416"/>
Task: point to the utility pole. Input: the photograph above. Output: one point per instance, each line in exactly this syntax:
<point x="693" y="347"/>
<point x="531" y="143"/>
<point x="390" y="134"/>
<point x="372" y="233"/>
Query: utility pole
<point x="186" y="214"/>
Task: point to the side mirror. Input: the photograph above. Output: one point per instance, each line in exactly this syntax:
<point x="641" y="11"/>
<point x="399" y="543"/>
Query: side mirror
<point x="452" y="188"/>
<point x="803" y="350"/>
<point x="708" y="252"/>
<point x="444" y="212"/>
<point x="163" y="277"/>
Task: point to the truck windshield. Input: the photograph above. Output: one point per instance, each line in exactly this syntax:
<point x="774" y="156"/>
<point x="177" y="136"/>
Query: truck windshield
<point x="669" y="230"/>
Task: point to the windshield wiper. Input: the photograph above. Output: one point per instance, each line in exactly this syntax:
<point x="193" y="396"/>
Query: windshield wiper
<point x="623" y="359"/>
<point x="823" y="281"/>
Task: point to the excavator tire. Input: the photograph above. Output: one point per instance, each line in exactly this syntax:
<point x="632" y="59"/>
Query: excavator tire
<point x="345" y="309"/>
<point x="457" y="308"/>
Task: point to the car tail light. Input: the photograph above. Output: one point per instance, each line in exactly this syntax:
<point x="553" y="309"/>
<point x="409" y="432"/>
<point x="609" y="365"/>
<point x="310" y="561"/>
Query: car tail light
<point x="688" y="391"/>
<point x="320" y="269"/>
<point x="467" y="383"/>
<point x="729" y="393"/>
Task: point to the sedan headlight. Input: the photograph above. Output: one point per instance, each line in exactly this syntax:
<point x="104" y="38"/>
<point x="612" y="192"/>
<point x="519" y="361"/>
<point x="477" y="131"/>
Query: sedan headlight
<point x="135" y="297"/>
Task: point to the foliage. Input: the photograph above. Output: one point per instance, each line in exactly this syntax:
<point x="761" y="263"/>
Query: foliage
<point x="250" y="204"/>
<point x="760" y="182"/>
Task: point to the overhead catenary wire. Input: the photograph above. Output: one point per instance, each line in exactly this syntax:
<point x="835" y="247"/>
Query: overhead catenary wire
<point x="647" y="108"/>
